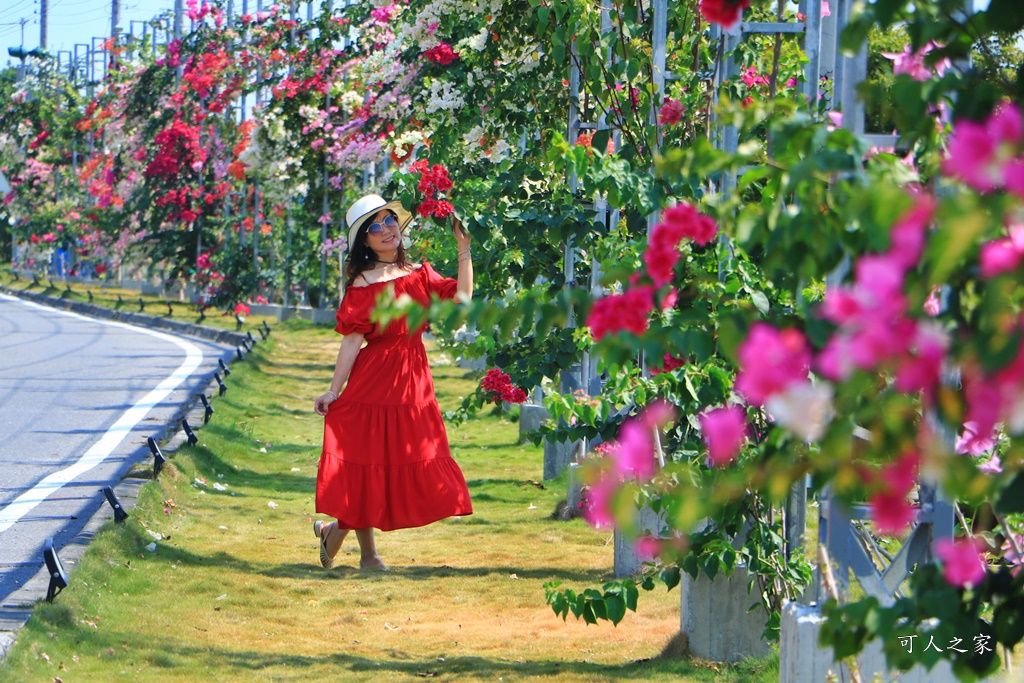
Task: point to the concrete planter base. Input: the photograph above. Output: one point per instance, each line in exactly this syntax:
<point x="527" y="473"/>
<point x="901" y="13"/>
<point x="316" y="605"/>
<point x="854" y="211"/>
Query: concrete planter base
<point x="801" y="660"/>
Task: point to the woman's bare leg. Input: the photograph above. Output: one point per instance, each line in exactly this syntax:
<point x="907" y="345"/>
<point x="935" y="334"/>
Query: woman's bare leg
<point x="368" y="558"/>
<point x="333" y="540"/>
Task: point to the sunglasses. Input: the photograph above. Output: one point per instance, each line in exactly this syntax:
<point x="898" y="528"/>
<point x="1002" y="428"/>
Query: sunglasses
<point x="377" y="228"/>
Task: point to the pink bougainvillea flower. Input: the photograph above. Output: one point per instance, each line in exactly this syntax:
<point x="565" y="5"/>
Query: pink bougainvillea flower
<point x="973" y="441"/>
<point x="912" y="63"/>
<point x="962" y="562"/>
<point x="1011" y="555"/>
<point x="933" y="304"/>
<point x="835" y="361"/>
<point x="991" y="466"/>
<point x="724" y="12"/>
<point x="1014" y="176"/>
<point x="751" y="78"/>
<point x="627" y="311"/>
<point x="647" y="548"/>
<point x="771" y="360"/>
<point x="998" y="257"/>
<point x="724" y="431"/>
<point x="671" y="112"/>
<point x="633" y="454"/>
<point x="981" y="153"/>
<point x="241" y="310"/>
<point x="203" y="262"/>
<point x="920" y="369"/>
<point x="826" y="10"/>
<point x="662" y="253"/>
<point x="689" y="222"/>
<point x="891" y="512"/>
<point x="908" y="233"/>
<point x="597" y="502"/>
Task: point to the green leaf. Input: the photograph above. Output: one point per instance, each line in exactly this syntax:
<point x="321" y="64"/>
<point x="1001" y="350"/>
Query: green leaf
<point x="615" y="607"/>
<point x="760" y="301"/>
<point x="1007" y="15"/>
<point x="1011" y="499"/>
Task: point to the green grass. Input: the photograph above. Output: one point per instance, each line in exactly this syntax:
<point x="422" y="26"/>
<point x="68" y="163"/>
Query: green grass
<point x="107" y="296"/>
<point x="235" y="592"/>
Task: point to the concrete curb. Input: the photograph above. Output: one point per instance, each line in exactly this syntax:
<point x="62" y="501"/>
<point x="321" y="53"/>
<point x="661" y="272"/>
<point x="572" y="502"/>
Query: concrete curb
<point x="16" y="610"/>
<point x="141" y="319"/>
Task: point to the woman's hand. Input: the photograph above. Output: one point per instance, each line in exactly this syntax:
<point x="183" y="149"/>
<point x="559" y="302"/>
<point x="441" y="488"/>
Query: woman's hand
<point x="461" y="236"/>
<point x="324" y="400"/>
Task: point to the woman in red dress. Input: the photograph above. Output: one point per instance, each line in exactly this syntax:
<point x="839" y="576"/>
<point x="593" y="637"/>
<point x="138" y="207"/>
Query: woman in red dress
<point x="386" y="463"/>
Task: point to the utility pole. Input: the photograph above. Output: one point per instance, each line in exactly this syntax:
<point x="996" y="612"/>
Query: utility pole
<point x="177" y="19"/>
<point x="115" y="18"/>
<point x="44" y="22"/>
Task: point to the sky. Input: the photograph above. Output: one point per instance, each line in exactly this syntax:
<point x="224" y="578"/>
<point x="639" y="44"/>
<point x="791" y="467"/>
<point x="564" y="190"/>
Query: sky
<point x="70" y="21"/>
<point x="78" y="21"/>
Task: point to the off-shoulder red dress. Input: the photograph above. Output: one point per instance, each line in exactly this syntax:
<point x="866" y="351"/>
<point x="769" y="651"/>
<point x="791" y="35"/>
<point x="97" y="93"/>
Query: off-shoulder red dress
<point x="386" y="463"/>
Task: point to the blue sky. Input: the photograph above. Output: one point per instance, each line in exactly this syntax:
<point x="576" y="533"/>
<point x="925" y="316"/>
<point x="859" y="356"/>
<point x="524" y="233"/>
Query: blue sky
<point x="70" y="21"/>
<point x="78" y="21"/>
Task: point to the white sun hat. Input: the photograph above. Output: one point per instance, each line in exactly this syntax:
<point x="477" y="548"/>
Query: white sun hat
<point x="366" y="208"/>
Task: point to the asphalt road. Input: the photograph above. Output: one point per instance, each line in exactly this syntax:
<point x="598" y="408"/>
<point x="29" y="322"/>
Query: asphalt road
<point x="78" y="398"/>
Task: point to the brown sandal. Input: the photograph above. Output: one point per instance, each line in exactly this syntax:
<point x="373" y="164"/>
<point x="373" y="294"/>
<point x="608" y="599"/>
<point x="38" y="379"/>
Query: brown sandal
<point x="325" y="559"/>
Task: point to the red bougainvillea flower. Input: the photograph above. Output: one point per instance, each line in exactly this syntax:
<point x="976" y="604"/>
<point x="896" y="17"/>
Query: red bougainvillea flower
<point x="668" y="364"/>
<point x="241" y="309"/>
<point x="678" y="222"/>
<point x="724" y="12"/>
<point x="433" y="179"/>
<point x="498" y="387"/>
<point x="441" y="54"/>
<point x="724" y="431"/>
<point x="671" y="112"/>
<point x="962" y="563"/>
<point x="627" y="311"/>
<point x="690" y="223"/>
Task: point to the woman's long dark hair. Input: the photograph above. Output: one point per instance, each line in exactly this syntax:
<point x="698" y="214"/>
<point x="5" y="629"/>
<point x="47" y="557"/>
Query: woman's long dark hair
<point x="361" y="257"/>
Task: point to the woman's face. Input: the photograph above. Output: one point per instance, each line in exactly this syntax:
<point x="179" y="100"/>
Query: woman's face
<point x="388" y="239"/>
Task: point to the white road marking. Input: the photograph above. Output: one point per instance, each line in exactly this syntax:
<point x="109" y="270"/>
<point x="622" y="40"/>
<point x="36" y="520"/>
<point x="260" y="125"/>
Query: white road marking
<point x="113" y="437"/>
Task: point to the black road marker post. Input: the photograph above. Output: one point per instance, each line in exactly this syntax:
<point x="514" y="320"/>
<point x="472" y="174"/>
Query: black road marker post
<point x="207" y="406"/>
<point x="119" y="514"/>
<point x="220" y="383"/>
<point x="223" y="366"/>
<point x="189" y="434"/>
<point x="158" y="457"/>
<point x="58" y="575"/>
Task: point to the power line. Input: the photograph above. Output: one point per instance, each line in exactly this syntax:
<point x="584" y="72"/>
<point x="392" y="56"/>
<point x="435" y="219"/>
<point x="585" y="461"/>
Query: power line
<point x="11" y="11"/>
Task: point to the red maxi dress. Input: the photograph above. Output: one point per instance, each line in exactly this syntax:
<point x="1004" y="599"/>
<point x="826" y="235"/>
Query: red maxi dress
<point x="386" y="463"/>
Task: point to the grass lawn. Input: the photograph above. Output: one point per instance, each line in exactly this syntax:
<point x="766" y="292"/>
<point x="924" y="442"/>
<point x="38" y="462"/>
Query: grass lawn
<point x="234" y="590"/>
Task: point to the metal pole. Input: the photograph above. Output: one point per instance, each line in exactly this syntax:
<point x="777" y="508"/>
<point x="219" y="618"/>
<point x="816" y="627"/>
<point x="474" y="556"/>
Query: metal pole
<point x="115" y="17"/>
<point x="44" y="23"/>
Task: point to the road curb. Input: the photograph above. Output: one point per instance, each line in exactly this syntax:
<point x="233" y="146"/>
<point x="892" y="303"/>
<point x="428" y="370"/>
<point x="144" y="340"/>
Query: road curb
<point x="17" y="608"/>
<point x="141" y="319"/>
